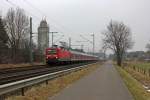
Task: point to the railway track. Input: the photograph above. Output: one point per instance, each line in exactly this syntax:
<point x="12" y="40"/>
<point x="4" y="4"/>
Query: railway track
<point x="11" y="75"/>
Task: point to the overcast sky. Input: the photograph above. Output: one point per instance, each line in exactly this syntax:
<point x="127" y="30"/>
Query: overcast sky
<point x="74" y="17"/>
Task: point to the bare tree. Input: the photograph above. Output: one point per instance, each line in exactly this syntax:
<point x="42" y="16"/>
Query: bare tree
<point x="17" y="27"/>
<point x="118" y="38"/>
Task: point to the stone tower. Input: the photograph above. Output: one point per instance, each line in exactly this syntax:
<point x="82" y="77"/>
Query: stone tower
<point x="43" y="37"/>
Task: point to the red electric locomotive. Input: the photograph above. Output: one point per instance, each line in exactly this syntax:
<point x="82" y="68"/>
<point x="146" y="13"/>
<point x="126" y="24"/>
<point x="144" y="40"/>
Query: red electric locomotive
<point x="60" y="54"/>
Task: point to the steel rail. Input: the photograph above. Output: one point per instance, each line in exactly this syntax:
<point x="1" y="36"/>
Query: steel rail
<point x="7" y="88"/>
<point x="16" y="75"/>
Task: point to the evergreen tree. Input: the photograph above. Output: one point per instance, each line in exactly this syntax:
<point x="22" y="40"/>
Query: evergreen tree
<point x="3" y="35"/>
<point x="3" y="41"/>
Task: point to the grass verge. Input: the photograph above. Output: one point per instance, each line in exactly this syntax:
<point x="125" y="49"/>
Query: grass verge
<point x="2" y="66"/>
<point x="43" y="91"/>
<point x="134" y="86"/>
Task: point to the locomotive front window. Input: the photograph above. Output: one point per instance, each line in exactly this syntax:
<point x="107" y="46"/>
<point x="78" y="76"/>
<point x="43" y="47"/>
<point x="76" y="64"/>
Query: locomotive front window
<point x="51" y="51"/>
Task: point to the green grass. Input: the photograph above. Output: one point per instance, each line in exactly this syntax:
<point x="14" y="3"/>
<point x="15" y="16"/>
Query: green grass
<point x="134" y="86"/>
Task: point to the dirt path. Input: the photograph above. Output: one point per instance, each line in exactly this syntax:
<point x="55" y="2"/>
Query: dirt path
<point x="103" y="84"/>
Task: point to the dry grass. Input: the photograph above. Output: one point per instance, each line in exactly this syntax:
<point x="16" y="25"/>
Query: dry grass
<point x="43" y="91"/>
<point x="18" y="65"/>
<point x="139" y="76"/>
<point x="142" y="67"/>
<point x="139" y="70"/>
<point x="134" y="86"/>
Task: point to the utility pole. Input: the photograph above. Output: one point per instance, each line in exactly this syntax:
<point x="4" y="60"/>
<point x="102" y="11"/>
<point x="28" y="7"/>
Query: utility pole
<point x="69" y="42"/>
<point x="93" y="43"/>
<point x="82" y="47"/>
<point x="53" y="36"/>
<point x="31" y="55"/>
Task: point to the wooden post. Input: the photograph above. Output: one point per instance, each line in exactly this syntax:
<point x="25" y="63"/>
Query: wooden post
<point x="144" y="71"/>
<point x="134" y="68"/>
<point x="22" y="91"/>
<point x="149" y="72"/>
<point x="46" y="82"/>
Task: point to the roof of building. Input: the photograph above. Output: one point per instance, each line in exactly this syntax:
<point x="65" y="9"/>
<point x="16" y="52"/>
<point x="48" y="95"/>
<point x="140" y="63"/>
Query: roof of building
<point x="43" y="23"/>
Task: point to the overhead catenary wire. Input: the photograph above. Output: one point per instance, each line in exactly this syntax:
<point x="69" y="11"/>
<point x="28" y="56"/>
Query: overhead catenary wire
<point x="56" y="26"/>
<point x="37" y="16"/>
<point x="59" y="39"/>
<point x="52" y="26"/>
<point x="86" y="39"/>
<point x="3" y="3"/>
<point x="12" y="3"/>
<point x="16" y="6"/>
<point x="33" y="15"/>
<point x="44" y="14"/>
<point x="31" y="5"/>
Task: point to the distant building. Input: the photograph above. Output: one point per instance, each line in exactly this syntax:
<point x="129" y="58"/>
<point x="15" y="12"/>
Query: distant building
<point x="43" y="37"/>
<point x="135" y="55"/>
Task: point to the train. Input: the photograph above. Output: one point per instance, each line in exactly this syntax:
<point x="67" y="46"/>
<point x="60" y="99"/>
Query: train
<point x="61" y="55"/>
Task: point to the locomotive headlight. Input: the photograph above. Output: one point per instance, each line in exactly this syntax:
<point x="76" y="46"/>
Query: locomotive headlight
<point x="56" y="57"/>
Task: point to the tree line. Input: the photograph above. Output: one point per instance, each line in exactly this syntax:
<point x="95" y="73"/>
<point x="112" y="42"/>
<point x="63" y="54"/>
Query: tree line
<point x="14" y="36"/>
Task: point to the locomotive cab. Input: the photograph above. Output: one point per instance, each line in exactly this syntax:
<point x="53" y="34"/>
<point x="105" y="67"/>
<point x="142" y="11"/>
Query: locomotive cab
<point x="57" y="55"/>
<point x="51" y="55"/>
